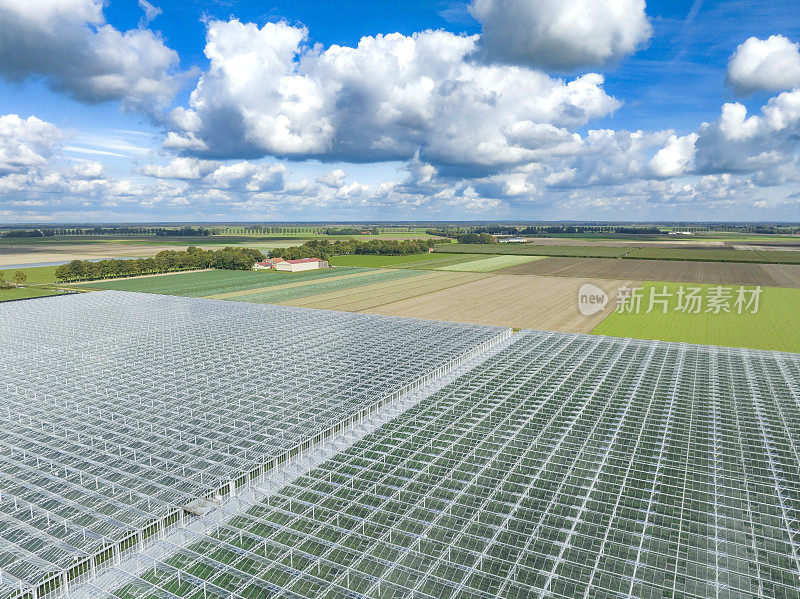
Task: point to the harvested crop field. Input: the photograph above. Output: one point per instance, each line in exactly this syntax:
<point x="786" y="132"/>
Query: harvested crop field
<point x="547" y="303"/>
<point x="490" y="264"/>
<point x="370" y="296"/>
<point x="724" y="273"/>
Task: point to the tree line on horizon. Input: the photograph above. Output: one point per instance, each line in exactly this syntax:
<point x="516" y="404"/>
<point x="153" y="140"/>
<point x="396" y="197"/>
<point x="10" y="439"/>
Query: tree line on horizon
<point x="193" y="258"/>
<point x="541" y="231"/>
<point x="157" y="231"/>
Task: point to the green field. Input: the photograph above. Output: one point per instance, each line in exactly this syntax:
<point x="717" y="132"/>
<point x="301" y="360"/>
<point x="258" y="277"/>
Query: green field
<point x="377" y="261"/>
<point x="36" y="275"/>
<point x="26" y="292"/>
<point x="490" y="264"/>
<point x="212" y="282"/>
<point x="438" y="260"/>
<point x="775" y="326"/>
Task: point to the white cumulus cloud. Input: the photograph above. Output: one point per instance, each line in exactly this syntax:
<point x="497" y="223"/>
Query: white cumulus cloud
<point x="334" y="178"/>
<point x="248" y="176"/>
<point x="26" y="143"/>
<point x="181" y="168"/>
<point x="69" y="44"/>
<point x="675" y="158"/>
<point x="561" y="34"/>
<point x="267" y="92"/>
<point x="765" y="143"/>
<point x="242" y="175"/>
<point x="772" y="64"/>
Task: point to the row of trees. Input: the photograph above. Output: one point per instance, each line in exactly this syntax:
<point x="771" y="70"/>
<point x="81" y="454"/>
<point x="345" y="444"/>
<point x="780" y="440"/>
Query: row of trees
<point x="157" y="231"/>
<point x="324" y="249"/>
<point x="193" y="258"/>
<point x="476" y="238"/>
<point x="350" y="231"/>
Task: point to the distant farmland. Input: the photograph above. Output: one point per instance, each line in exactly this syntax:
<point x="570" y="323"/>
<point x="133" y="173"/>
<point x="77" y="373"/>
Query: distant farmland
<point x="726" y="273"/>
<point x="530" y="249"/>
<point x="642" y="253"/>
<point x="214" y="282"/>
<point x="775" y="326"/>
<point x="714" y="255"/>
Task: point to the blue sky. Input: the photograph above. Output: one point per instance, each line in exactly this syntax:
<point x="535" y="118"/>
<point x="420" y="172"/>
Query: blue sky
<point x="490" y="109"/>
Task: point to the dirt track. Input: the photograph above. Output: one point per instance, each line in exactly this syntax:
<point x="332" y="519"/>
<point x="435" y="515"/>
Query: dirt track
<point x="771" y="275"/>
<point x="546" y="303"/>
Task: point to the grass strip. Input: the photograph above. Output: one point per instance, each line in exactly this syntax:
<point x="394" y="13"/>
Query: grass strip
<point x="775" y="326"/>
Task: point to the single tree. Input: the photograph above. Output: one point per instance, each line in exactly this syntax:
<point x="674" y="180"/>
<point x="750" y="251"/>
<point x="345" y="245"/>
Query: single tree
<point x="19" y="277"/>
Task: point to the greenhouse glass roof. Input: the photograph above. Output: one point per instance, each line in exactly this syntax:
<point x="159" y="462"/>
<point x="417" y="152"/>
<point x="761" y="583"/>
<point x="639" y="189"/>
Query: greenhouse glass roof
<point x="125" y="413"/>
<point x="564" y="466"/>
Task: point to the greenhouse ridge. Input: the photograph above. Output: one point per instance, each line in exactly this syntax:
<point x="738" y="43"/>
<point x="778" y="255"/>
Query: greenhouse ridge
<point x="536" y="465"/>
<point x="126" y="413"/>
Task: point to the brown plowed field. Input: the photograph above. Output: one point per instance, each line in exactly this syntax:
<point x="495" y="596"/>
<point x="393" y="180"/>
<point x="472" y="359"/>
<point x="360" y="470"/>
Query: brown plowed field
<point x="730" y="273"/>
<point x="546" y="303"/>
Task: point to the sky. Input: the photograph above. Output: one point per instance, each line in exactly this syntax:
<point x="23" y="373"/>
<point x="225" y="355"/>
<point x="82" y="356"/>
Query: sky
<point x="184" y="111"/>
